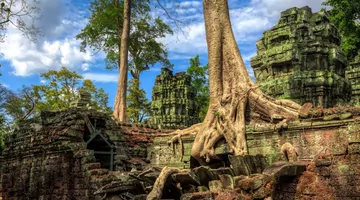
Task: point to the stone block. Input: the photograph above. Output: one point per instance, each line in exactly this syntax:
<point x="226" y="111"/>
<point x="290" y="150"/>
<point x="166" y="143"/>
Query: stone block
<point x="215" y="186"/>
<point x="248" y="164"/>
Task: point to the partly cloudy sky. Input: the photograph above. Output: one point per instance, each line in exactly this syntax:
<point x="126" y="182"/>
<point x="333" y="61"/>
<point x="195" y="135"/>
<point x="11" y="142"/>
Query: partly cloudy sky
<point x="22" y="60"/>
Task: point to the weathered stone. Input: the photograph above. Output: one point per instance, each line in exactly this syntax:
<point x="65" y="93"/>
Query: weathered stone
<point x="285" y="169"/>
<point x="186" y="178"/>
<point x="322" y="162"/>
<point x="198" y="196"/>
<point x="215" y="186"/>
<point x="352" y="73"/>
<point x="173" y="102"/>
<point x="305" y="109"/>
<point x="300" y="59"/>
<point x="248" y="164"/>
<point x="207" y="174"/>
<point x="227" y="181"/>
<point x="202" y="188"/>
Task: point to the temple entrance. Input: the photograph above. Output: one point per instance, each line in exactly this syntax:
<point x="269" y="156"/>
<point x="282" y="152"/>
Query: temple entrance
<point x="103" y="150"/>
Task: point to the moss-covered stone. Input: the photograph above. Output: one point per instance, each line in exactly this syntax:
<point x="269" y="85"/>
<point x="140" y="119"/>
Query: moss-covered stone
<point x="300" y="59"/>
<point x="353" y="75"/>
<point x="173" y="101"/>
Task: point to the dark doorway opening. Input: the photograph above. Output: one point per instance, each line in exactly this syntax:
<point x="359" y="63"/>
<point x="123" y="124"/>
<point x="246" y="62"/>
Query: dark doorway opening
<point x="103" y="149"/>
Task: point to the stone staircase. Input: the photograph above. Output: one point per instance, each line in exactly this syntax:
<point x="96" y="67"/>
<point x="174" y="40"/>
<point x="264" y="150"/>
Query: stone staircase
<point x="91" y="169"/>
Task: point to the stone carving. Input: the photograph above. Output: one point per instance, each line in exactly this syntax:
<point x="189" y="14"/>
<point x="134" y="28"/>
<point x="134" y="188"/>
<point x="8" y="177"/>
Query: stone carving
<point x="353" y="75"/>
<point x="300" y="59"/>
<point x="173" y="104"/>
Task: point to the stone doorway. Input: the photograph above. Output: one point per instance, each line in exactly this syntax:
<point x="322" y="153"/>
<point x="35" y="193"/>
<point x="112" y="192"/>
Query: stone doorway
<point x="103" y="149"/>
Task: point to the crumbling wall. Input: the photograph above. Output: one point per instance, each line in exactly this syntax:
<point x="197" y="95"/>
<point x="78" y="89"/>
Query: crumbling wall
<point x="300" y="59"/>
<point x="51" y="160"/>
<point x="330" y="149"/>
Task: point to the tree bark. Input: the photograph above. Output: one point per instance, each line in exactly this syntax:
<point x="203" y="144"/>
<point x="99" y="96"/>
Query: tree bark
<point x="234" y="97"/>
<point x="120" y="99"/>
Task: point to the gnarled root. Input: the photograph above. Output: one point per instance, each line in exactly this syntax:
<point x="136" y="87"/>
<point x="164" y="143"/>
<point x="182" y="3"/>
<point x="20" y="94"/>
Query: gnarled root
<point x="193" y="130"/>
<point x="156" y="192"/>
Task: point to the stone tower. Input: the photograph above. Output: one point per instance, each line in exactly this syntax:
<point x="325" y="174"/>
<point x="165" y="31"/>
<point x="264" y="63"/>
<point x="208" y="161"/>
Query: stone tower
<point x="173" y="101"/>
<point x="300" y="59"/>
<point x="353" y="75"/>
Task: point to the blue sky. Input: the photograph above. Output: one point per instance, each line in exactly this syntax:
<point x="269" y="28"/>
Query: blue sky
<point x="22" y="61"/>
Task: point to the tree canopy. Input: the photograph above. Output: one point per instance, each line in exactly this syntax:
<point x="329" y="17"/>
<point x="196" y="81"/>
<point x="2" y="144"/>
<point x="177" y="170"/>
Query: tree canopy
<point x="22" y="14"/>
<point x="199" y="80"/>
<point x="103" y="33"/>
<point x="138" y="105"/>
<point x="345" y="14"/>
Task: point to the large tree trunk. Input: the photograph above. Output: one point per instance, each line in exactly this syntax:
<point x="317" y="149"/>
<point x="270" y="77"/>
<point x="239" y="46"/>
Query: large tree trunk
<point x="234" y="97"/>
<point x="120" y="99"/>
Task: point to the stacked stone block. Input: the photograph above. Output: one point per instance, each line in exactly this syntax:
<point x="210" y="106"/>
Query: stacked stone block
<point x="51" y="160"/>
<point x="353" y="75"/>
<point x="173" y="101"/>
<point x="300" y="59"/>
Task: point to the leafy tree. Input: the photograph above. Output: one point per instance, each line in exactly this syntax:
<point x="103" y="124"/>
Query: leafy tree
<point x="345" y="14"/>
<point x="59" y="91"/>
<point x="199" y="80"/>
<point x="22" y="14"/>
<point x="138" y="105"/>
<point x="100" y="98"/>
<point x="105" y="31"/>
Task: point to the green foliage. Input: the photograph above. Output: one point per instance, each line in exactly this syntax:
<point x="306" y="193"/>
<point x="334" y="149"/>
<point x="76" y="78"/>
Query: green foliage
<point x="199" y="80"/>
<point x="144" y="49"/>
<point x="59" y="91"/>
<point x="138" y="106"/>
<point x="345" y="14"/>
<point x="100" y="98"/>
<point x="103" y="33"/>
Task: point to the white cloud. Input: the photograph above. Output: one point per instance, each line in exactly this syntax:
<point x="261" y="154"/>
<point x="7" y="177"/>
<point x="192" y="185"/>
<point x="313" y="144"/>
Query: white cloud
<point x="42" y="81"/>
<point x="56" y="47"/>
<point x="248" y="23"/>
<point x="85" y="66"/>
<point x="5" y="85"/>
<point x="101" y="77"/>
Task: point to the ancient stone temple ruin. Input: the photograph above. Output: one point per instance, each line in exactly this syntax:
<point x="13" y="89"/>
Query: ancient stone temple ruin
<point x="173" y="101"/>
<point x="300" y="59"/>
<point x="353" y="75"/>
<point x="82" y="154"/>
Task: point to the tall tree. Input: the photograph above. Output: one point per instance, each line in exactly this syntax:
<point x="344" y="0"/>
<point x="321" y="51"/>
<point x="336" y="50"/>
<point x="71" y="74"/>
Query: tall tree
<point x="120" y="99"/>
<point x="199" y="80"/>
<point x="345" y="14"/>
<point x="232" y="92"/>
<point x="22" y="14"/>
<point x="104" y="32"/>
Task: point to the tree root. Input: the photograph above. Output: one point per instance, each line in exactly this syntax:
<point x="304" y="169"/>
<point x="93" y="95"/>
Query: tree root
<point x="193" y="130"/>
<point x="156" y="192"/>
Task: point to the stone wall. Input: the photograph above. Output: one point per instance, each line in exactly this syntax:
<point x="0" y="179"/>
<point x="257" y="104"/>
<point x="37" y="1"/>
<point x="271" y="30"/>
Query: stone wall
<point x="308" y="138"/>
<point x="300" y="59"/>
<point x="51" y="160"/>
<point x="173" y="101"/>
<point x="353" y="75"/>
<point x="329" y="149"/>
